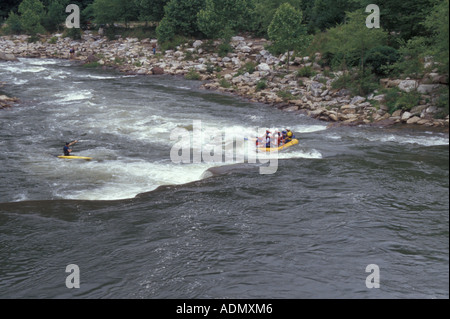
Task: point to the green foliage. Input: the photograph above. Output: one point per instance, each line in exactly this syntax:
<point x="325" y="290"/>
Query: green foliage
<point x="173" y="43"/>
<point x="31" y="12"/>
<point x="224" y="83"/>
<point x="56" y="15"/>
<point x="404" y="18"/>
<point x="380" y="58"/>
<point x="193" y="75"/>
<point x="151" y="10"/>
<point x="13" y="24"/>
<point x="249" y="67"/>
<point x="165" y="31"/>
<point x="73" y="33"/>
<point x="437" y="23"/>
<point x="399" y="100"/>
<point x="443" y="103"/>
<point x="221" y="16"/>
<point x="224" y="49"/>
<point x="263" y="12"/>
<point x="261" y="85"/>
<point x="285" y="95"/>
<point x="306" y="72"/>
<point x="329" y="13"/>
<point x="111" y="11"/>
<point x="353" y="37"/>
<point x="180" y="19"/>
<point x="359" y="83"/>
<point x="287" y="31"/>
<point x="412" y="54"/>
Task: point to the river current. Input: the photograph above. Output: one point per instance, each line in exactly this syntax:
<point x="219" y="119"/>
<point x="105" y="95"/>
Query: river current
<point x="139" y="225"/>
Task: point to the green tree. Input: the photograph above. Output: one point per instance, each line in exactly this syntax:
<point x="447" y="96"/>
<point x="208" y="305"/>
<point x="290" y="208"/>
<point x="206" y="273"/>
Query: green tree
<point x="403" y="17"/>
<point x="438" y="24"/>
<point x="110" y="11"/>
<point x="354" y="36"/>
<point x="180" y="17"/>
<point x="31" y="14"/>
<point x="13" y="24"/>
<point x="56" y="15"/>
<point x="222" y="16"/>
<point x="329" y="13"/>
<point x="151" y="10"/>
<point x="263" y="11"/>
<point x="287" y="30"/>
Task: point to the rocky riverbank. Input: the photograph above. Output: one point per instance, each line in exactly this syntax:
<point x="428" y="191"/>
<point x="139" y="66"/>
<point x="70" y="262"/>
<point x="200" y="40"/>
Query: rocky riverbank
<point x="250" y="71"/>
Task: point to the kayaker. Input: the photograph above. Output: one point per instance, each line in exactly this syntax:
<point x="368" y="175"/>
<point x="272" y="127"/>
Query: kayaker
<point x="67" y="150"/>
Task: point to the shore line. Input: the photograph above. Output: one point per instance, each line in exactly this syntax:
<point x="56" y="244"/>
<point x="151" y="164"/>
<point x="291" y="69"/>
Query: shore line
<point x="248" y="71"/>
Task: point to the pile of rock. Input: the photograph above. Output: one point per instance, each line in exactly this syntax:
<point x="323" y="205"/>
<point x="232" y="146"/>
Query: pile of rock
<point x="266" y="82"/>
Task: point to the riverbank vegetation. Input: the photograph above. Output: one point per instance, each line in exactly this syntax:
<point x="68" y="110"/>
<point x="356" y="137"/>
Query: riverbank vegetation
<point x="413" y="39"/>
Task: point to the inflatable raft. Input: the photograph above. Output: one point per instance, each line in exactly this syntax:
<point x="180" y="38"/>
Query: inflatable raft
<point x="282" y="147"/>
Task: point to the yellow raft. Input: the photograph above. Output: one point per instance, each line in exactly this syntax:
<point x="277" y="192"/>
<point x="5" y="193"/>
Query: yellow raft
<point x="76" y="157"/>
<point x="282" y="147"/>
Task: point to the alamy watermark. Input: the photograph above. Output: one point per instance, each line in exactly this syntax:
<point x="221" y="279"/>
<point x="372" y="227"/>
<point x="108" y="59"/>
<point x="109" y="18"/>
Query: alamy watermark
<point x="195" y="147"/>
<point x="73" y="20"/>
<point x="373" y="20"/>
<point x="373" y="280"/>
<point x="73" y="280"/>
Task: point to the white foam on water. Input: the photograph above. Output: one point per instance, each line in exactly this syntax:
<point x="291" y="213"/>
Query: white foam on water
<point x="99" y="77"/>
<point x="125" y="179"/>
<point x="434" y="140"/>
<point x="40" y="62"/>
<point x="73" y="96"/>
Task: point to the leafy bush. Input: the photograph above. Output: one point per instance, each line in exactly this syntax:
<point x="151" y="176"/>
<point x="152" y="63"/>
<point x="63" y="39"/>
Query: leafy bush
<point x="380" y="57"/>
<point x="285" y="95"/>
<point x="74" y="33"/>
<point x="399" y="100"/>
<point x="224" y="83"/>
<point x="261" y="85"/>
<point x="13" y="24"/>
<point x="193" y="75"/>
<point x="224" y="49"/>
<point x="306" y="72"/>
<point x="249" y="67"/>
<point x="443" y="104"/>
<point x="361" y="83"/>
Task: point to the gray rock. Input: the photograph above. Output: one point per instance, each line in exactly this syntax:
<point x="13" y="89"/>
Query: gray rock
<point x="407" y="85"/>
<point x="264" y="67"/>
<point x="316" y="88"/>
<point x="357" y="100"/>
<point x="427" y="88"/>
<point x="8" y="57"/>
<point x="406" y="116"/>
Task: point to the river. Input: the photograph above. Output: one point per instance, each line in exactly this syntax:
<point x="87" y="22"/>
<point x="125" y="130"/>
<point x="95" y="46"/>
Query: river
<point x="139" y="225"/>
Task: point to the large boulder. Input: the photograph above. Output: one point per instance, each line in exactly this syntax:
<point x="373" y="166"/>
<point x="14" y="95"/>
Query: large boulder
<point x="7" y="57"/>
<point x="157" y="70"/>
<point x="407" y="85"/>
<point x="264" y="67"/>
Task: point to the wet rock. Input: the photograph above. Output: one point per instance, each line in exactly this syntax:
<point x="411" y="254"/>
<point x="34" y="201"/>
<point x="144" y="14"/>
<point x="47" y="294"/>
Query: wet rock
<point x="157" y="70"/>
<point x="413" y="120"/>
<point x="406" y="116"/>
<point x="8" y="57"/>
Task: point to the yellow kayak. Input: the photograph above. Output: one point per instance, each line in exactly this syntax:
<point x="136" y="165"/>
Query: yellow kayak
<point x="76" y="157"/>
<point x="282" y="147"/>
